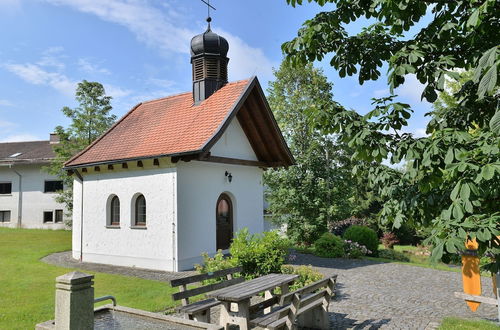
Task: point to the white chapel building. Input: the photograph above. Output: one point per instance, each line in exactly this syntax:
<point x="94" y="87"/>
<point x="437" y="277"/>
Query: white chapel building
<point x="178" y="176"/>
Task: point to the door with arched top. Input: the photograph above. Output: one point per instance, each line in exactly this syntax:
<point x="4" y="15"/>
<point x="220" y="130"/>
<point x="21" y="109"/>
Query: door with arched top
<point x="224" y="222"/>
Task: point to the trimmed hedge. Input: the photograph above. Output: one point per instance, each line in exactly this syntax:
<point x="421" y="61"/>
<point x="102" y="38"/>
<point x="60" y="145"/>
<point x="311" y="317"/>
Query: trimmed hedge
<point x="329" y="246"/>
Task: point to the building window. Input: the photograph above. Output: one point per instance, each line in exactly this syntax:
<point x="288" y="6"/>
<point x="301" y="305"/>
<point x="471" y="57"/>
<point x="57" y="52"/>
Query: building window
<point x="4" y="216"/>
<point x="53" y="186"/>
<point x="59" y="216"/>
<point x="5" y="188"/>
<point x="48" y="216"/>
<point x="115" y="211"/>
<point x="140" y="211"/>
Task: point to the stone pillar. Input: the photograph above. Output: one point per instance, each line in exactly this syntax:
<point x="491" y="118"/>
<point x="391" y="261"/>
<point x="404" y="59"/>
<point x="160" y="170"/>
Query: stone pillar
<point x="74" y="301"/>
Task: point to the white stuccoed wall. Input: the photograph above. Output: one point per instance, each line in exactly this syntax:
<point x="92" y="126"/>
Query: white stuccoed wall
<point x="200" y="185"/>
<point x="181" y="203"/>
<point x="125" y="246"/>
<point x="234" y="143"/>
<point x="34" y="200"/>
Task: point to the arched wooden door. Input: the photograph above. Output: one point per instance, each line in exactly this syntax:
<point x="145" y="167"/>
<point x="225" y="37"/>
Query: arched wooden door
<point x="224" y="222"/>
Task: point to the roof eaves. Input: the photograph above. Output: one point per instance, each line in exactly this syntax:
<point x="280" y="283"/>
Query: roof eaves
<point x="236" y="107"/>
<point x="116" y="161"/>
<point x="275" y="124"/>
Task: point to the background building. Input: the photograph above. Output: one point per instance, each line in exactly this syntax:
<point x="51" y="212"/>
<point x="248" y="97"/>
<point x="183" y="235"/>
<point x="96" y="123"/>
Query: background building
<point x="26" y="191"/>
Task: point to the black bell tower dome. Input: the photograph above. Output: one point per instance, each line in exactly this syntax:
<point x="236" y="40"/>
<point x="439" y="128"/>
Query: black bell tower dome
<point x="209" y="61"/>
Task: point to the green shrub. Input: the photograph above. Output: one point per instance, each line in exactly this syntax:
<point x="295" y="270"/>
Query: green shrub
<point x="354" y="250"/>
<point x="364" y="236"/>
<point x="393" y="255"/>
<point x="218" y="262"/>
<point x="307" y="275"/>
<point x="259" y="254"/>
<point x="330" y="246"/>
<point x="407" y="235"/>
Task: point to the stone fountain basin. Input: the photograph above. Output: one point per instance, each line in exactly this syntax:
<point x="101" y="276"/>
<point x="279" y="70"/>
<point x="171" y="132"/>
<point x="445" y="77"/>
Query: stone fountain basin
<point x="120" y="317"/>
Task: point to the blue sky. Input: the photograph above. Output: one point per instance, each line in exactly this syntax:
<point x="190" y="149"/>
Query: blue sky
<point x="139" y="50"/>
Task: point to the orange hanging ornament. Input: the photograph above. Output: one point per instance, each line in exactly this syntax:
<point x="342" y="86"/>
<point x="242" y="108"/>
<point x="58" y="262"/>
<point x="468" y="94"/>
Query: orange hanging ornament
<point x="471" y="277"/>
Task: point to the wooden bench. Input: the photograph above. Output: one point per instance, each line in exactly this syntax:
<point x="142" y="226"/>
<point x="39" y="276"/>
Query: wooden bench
<point x="306" y="307"/>
<point x="200" y="310"/>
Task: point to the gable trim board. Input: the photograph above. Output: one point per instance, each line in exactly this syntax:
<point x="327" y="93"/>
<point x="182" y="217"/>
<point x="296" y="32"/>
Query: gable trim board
<point x="251" y="93"/>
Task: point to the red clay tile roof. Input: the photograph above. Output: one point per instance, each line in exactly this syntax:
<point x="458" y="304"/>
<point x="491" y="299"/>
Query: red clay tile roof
<point x="167" y="126"/>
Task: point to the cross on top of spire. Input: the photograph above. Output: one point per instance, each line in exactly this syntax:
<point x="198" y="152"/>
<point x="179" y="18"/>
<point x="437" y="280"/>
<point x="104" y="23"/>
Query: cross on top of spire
<point x="209" y="6"/>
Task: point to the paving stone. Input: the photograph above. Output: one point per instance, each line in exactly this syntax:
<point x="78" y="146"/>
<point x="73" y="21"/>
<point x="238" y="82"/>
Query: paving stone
<point x="374" y="295"/>
<point x="370" y="295"/>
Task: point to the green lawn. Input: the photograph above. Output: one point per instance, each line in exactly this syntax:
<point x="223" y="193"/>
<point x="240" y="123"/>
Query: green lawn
<point x="452" y="323"/>
<point x="28" y="287"/>
<point x="416" y="260"/>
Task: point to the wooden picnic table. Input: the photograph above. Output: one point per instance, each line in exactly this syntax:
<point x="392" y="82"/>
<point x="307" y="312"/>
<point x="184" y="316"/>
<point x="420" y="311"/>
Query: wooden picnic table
<point x="241" y="293"/>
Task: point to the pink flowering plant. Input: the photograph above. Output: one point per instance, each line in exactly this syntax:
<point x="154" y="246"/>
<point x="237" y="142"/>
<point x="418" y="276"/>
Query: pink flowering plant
<point x="354" y="250"/>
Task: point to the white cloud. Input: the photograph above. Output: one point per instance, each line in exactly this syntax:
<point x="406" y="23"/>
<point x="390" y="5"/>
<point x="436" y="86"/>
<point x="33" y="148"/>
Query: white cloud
<point x="162" y="30"/>
<point x="10" y="5"/>
<point x="419" y="132"/>
<point x="20" y="138"/>
<point x="411" y="89"/>
<point x="6" y="124"/>
<point x="163" y="83"/>
<point x="246" y="61"/>
<point x="53" y="57"/>
<point x="115" y="91"/>
<point x="381" y="92"/>
<point x="36" y="75"/>
<point x="88" y="67"/>
<point x="149" y="24"/>
<point x="5" y="103"/>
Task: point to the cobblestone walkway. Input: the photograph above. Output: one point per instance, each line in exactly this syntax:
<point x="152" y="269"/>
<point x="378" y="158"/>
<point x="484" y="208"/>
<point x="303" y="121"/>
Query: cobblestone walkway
<point x="370" y="295"/>
<point x="374" y="295"/>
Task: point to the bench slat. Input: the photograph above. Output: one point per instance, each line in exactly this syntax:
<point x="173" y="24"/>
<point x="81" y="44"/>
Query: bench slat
<point x="206" y="276"/>
<point x="287" y="298"/>
<point x="263" y="321"/>
<point x="310" y="306"/>
<point x="263" y="304"/>
<point x="312" y="297"/>
<point x="299" y="302"/>
<point x="206" y="288"/>
<point x="199" y="306"/>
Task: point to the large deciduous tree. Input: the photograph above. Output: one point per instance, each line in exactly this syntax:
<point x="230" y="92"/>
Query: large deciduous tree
<point x="452" y="179"/>
<point x="318" y="189"/>
<point x="90" y="119"/>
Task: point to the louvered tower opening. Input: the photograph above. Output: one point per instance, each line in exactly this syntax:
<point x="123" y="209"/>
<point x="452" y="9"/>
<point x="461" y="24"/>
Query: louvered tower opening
<point x="209" y="61"/>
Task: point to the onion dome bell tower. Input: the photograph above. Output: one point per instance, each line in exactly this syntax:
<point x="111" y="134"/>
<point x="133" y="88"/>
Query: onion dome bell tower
<point x="209" y="60"/>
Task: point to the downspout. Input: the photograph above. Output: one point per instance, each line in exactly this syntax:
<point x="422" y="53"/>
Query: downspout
<point x="79" y="176"/>
<point x="174" y="222"/>
<point x="20" y="202"/>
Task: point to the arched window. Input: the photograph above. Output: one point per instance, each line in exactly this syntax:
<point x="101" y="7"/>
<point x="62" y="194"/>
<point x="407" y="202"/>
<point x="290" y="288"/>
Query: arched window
<point x="115" y="211"/>
<point x="140" y="211"/>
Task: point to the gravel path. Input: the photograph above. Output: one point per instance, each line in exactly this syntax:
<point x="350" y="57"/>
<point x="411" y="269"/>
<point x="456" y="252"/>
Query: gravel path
<point x="373" y="295"/>
<point x="370" y="295"/>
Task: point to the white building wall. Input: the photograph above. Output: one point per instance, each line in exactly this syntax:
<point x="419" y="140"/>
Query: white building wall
<point x="151" y="247"/>
<point x="200" y="185"/>
<point x="34" y="200"/>
<point x="234" y="143"/>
